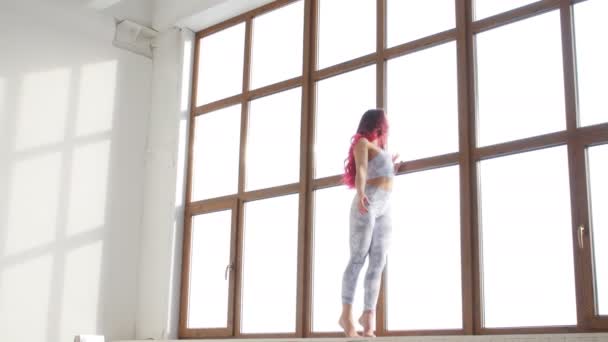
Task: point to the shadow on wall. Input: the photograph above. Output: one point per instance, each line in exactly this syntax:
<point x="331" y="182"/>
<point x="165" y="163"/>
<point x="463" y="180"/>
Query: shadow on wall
<point x="73" y="119"/>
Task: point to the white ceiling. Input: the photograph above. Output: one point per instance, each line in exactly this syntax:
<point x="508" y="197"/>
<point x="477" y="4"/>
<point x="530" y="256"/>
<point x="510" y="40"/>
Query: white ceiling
<point x="163" y="14"/>
<point x="139" y="11"/>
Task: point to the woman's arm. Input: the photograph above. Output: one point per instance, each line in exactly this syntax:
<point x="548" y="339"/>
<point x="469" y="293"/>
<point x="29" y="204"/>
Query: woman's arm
<point x="361" y="151"/>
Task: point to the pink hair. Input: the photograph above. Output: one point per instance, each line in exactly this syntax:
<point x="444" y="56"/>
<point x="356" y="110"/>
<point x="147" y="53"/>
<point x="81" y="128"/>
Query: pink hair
<point x="373" y="126"/>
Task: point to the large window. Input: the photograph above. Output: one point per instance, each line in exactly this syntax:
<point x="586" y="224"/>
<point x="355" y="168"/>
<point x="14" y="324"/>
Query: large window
<point x="220" y="65"/>
<point x="496" y="107"/>
<point x="423" y="102"/>
<point x="357" y="30"/>
<point x="591" y="55"/>
<point x="525" y="204"/>
<point x="209" y="283"/>
<point x="269" y="263"/>
<point x="217" y="144"/>
<point x="520" y="80"/>
<point x="425" y="295"/>
<point x="340" y="100"/>
<point x="598" y="168"/>
<point x="272" y="119"/>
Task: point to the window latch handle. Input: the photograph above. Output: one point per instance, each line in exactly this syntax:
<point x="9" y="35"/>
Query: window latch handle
<point x="228" y="268"/>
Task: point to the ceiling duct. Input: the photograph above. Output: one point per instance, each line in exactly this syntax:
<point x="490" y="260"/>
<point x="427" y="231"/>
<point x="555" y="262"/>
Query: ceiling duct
<point x="134" y="37"/>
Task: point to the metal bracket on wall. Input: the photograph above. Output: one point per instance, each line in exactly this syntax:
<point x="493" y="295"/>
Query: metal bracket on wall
<point x="134" y="37"/>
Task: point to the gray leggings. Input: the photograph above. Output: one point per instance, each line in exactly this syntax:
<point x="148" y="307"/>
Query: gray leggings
<point x="370" y="234"/>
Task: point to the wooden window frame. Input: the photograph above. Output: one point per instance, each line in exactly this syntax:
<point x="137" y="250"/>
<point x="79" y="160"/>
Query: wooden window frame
<point x="575" y="138"/>
<point x="190" y="213"/>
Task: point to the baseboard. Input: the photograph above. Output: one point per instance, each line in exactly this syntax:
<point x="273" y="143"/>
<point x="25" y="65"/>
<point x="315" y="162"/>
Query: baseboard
<point x="586" y="337"/>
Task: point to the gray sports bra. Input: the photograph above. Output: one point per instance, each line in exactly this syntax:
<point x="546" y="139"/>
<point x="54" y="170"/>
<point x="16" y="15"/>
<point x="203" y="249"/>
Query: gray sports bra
<point x="380" y="166"/>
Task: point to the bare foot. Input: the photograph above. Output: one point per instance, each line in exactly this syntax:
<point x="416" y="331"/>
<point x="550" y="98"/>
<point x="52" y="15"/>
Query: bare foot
<point x="349" y="328"/>
<point x="367" y="322"/>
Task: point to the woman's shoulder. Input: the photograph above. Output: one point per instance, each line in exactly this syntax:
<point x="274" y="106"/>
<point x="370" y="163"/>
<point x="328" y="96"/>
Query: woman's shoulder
<point x="363" y="141"/>
<point x="362" y="145"/>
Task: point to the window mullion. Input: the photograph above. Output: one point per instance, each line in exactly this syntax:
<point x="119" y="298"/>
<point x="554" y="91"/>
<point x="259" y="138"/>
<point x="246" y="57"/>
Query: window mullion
<point x="468" y="170"/>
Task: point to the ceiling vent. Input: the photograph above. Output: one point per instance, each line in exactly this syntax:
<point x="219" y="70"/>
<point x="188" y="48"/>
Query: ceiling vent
<point x="134" y="37"/>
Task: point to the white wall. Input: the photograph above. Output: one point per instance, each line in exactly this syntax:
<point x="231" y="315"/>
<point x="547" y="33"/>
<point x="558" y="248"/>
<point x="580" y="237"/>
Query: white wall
<point x="73" y="123"/>
<point x="161" y="236"/>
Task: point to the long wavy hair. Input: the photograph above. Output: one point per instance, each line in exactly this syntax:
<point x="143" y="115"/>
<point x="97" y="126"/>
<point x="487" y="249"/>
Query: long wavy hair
<point x="373" y="126"/>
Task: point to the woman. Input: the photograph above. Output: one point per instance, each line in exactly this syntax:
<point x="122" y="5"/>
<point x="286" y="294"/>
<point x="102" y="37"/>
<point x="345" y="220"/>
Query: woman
<point x="370" y="170"/>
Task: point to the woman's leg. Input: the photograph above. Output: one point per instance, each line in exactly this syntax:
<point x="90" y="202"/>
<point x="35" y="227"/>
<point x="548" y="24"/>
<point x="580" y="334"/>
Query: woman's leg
<point x="360" y="240"/>
<point x="377" y="260"/>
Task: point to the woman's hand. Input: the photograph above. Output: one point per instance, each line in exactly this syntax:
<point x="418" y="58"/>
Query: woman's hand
<point x="396" y="165"/>
<point x="363" y="203"/>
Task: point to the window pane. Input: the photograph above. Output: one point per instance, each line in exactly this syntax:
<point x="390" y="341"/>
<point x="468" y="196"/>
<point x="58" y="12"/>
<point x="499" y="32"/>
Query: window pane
<point x="215" y="159"/>
<point x="270" y="265"/>
<point x="520" y="80"/>
<point x="598" y="169"/>
<point x="411" y="20"/>
<point x="347" y="30"/>
<point x="273" y="119"/>
<point x="591" y="30"/>
<point x="331" y="254"/>
<point x="210" y="254"/>
<point x="341" y="101"/>
<point x="486" y="8"/>
<point x="220" y="65"/>
<point x="277" y="45"/>
<point x="424" y="283"/>
<point x="423" y="103"/>
<point x="528" y="268"/>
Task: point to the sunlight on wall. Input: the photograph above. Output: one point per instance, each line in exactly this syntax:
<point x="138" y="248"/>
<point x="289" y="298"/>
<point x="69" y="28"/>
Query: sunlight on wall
<point x="81" y="286"/>
<point x="96" y="101"/>
<point x="172" y="303"/>
<point x="88" y="187"/>
<point x="43" y="108"/>
<point x="181" y="162"/>
<point x="183" y="122"/>
<point x="186" y="69"/>
<point x="34" y="202"/>
<point x="25" y="287"/>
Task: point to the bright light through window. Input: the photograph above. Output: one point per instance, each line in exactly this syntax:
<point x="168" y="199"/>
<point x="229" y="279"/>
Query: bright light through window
<point x="598" y="187"/>
<point x="411" y="20"/>
<point x="274" y="139"/>
<point x="528" y="267"/>
<point x="347" y="30"/>
<point x="220" y="65"/>
<point x="520" y="80"/>
<point x="277" y="53"/>
<point x="341" y="101"/>
<point x="216" y="153"/>
<point x="270" y="260"/>
<point x="210" y="255"/>
<point x="591" y="31"/>
<point x="423" y="103"/>
<point x="487" y="8"/>
<point x="424" y="283"/>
